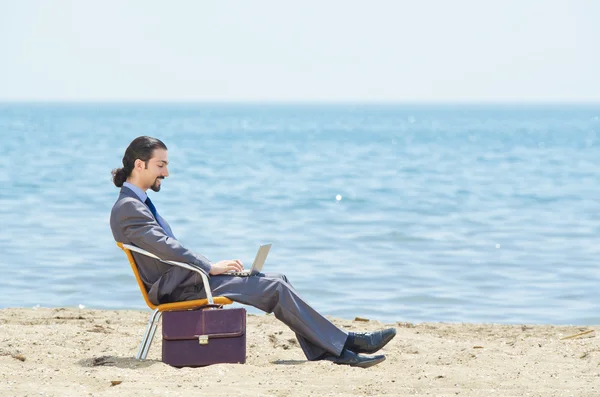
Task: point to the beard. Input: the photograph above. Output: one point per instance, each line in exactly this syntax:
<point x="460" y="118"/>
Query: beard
<point x="156" y="185"/>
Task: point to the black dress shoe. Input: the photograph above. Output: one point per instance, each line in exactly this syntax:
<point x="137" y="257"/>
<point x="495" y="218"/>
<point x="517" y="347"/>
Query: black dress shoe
<point x="369" y="342"/>
<point x="354" y="360"/>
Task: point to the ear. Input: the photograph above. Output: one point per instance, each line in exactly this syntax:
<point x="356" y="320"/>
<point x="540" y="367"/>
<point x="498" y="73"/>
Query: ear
<point x="139" y="164"/>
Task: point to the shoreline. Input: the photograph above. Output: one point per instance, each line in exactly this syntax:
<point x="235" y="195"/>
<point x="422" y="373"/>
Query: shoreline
<point x="75" y="352"/>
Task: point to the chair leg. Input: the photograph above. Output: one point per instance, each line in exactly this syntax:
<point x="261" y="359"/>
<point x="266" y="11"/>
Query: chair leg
<point x="157" y="315"/>
<point x="151" y="321"/>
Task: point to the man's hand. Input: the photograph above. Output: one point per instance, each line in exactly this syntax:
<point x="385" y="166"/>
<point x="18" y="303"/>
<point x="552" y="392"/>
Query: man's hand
<point x="220" y="267"/>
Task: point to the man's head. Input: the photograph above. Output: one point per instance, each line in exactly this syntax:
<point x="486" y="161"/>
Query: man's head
<point x="144" y="164"/>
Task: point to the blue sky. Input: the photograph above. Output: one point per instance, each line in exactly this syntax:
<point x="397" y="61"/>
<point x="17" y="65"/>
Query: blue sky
<point x="328" y="50"/>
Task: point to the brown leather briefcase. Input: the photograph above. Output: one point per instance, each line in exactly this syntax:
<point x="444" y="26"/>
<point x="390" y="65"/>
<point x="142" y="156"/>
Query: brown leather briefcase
<point x="194" y="338"/>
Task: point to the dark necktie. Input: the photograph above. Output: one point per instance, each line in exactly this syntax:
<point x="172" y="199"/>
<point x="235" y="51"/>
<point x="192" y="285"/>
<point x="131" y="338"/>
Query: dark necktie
<point x="152" y="208"/>
<point x="158" y="218"/>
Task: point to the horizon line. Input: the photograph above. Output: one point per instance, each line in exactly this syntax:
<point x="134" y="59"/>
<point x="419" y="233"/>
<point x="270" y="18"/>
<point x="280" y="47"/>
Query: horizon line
<point x="8" y="101"/>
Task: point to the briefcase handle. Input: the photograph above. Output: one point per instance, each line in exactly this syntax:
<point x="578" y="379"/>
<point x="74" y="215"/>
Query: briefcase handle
<point x="188" y="266"/>
<point x="209" y="306"/>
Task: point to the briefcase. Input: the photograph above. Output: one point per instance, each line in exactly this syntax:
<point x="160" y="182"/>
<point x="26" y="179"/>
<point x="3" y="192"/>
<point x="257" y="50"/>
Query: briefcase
<point x="194" y="338"/>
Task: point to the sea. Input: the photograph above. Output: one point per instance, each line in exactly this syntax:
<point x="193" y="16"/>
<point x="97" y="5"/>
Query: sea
<point x="478" y="213"/>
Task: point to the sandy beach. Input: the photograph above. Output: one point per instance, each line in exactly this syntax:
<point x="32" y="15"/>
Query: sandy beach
<point x="80" y="352"/>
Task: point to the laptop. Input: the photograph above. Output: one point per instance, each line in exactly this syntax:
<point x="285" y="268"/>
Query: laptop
<point x="257" y="265"/>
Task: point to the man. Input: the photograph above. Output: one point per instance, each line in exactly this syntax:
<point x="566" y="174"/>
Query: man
<point x="135" y="220"/>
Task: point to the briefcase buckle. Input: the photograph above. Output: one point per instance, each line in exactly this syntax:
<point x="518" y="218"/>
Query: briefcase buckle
<point x="203" y="339"/>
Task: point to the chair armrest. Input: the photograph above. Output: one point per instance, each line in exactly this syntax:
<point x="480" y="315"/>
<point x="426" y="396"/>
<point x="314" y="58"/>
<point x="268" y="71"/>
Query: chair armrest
<point x="188" y="266"/>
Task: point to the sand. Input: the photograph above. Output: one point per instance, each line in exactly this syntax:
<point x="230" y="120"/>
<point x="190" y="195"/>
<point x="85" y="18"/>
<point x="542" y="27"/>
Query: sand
<point x="80" y="352"/>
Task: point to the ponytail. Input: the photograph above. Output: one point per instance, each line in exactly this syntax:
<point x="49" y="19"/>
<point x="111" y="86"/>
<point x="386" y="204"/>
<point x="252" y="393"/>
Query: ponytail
<point x="119" y="176"/>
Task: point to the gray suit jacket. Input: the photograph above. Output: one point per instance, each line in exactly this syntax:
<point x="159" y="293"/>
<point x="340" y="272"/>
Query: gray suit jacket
<point x="132" y="222"/>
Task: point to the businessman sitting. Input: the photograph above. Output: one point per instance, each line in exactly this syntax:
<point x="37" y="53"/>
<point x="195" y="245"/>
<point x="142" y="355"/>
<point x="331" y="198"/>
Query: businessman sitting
<point x="135" y="220"/>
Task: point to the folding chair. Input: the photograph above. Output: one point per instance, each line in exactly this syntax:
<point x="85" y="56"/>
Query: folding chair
<point x="157" y="310"/>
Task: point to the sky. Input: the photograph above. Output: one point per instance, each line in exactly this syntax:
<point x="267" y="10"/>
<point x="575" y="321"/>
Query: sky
<point x="277" y="50"/>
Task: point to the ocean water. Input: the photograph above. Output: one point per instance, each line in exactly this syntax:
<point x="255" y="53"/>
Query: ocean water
<point x="453" y="213"/>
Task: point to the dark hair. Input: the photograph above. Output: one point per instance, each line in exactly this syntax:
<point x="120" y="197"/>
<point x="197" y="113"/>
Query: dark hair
<point x="141" y="148"/>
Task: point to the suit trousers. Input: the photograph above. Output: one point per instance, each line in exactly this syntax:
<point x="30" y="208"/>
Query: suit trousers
<point x="272" y="293"/>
